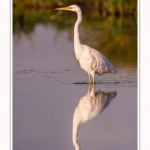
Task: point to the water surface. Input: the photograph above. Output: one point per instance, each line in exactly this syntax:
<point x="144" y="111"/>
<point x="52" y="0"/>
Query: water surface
<point x="46" y="100"/>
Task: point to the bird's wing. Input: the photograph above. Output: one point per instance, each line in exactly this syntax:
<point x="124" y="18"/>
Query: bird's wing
<point x="106" y="99"/>
<point x="101" y="63"/>
<point x="91" y="59"/>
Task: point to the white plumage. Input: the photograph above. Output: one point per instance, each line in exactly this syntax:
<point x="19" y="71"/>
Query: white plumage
<point x="90" y="59"/>
<point x="89" y="106"/>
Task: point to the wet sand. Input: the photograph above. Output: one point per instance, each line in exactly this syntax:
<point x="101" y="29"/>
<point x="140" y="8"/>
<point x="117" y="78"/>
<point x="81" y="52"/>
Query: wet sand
<point x="46" y="95"/>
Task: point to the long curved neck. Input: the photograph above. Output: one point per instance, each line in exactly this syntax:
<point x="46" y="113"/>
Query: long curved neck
<point x="77" y="43"/>
<point x="76" y="123"/>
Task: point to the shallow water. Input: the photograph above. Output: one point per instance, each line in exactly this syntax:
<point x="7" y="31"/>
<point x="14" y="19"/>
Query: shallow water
<point x="46" y="99"/>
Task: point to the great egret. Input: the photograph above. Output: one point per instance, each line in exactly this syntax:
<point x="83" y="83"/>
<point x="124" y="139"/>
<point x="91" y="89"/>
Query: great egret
<point x="89" y="106"/>
<point x="90" y="59"/>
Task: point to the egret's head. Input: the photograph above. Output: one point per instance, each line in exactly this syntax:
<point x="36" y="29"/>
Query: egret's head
<point x="71" y="8"/>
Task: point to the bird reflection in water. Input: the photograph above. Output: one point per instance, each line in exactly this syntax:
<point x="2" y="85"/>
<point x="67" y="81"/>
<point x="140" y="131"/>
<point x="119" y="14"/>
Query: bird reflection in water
<point x="89" y="107"/>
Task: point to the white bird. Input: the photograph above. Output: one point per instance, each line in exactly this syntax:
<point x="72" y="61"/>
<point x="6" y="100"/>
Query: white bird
<point x="89" y="106"/>
<point x="90" y="59"/>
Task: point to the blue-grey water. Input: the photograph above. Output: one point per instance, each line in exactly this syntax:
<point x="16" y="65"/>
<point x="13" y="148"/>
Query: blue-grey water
<point x="46" y="100"/>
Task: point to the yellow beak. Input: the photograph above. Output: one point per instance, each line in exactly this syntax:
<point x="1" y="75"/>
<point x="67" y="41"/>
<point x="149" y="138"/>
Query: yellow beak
<point x="63" y="8"/>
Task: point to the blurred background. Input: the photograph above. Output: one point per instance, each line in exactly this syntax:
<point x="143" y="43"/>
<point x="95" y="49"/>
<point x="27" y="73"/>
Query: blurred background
<point x="45" y="70"/>
<point x="109" y="26"/>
